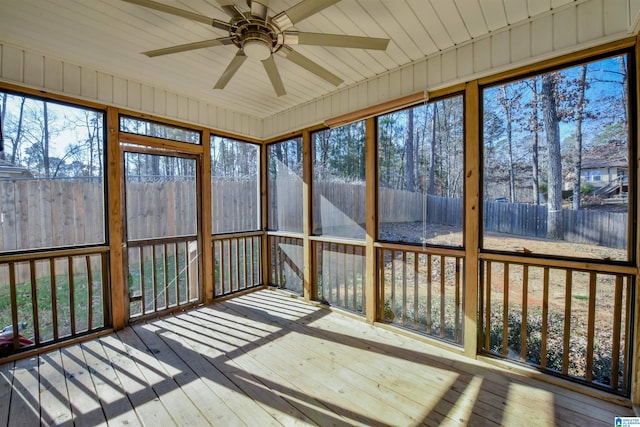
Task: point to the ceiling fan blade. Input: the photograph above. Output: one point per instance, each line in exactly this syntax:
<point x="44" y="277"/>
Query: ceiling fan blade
<point x="301" y="11"/>
<point x="231" y="9"/>
<point x="150" y="4"/>
<point x="231" y="70"/>
<point x="171" y="10"/>
<point x="189" y="46"/>
<point x="258" y="8"/>
<point x="309" y="65"/>
<point x="335" y="40"/>
<point x="272" y="71"/>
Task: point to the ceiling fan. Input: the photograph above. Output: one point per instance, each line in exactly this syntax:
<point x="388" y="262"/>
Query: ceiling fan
<point x="258" y="35"/>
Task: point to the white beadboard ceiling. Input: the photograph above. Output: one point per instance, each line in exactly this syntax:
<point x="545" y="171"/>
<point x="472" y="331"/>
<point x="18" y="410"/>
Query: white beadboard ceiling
<point x="108" y="35"/>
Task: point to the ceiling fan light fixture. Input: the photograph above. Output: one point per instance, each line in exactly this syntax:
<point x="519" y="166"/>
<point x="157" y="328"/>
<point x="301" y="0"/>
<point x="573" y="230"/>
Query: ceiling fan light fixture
<point x="256" y="49"/>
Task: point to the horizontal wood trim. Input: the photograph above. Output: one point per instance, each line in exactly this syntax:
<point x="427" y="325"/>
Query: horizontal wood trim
<point x="52" y="96"/>
<point x="285" y="234"/>
<point x="421" y="249"/>
<point x="289" y="135"/>
<point x="160" y="120"/>
<point x="377" y="109"/>
<point x="237" y="235"/>
<point x="160" y="241"/>
<point x="54" y="254"/>
<point x="339" y="240"/>
<point x="559" y="263"/>
<point x="448" y="91"/>
<point x="147" y="142"/>
<point x="228" y="135"/>
<point x="559" y="61"/>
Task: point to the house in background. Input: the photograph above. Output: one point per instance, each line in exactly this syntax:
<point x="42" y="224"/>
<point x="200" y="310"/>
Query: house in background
<point x="9" y="170"/>
<point x="606" y="170"/>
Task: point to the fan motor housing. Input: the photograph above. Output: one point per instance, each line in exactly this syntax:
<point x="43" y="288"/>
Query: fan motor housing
<point x="253" y="32"/>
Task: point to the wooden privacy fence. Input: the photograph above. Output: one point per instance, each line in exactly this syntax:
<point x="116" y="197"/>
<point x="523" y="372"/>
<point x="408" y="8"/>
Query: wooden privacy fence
<point x="44" y="213"/>
<point x="583" y="226"/>
<point x="68" y="212"/>
<point x="347" y="200"/>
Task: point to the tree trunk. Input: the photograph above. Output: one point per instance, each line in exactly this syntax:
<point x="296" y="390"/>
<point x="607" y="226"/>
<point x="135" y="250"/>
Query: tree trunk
<point x="554" y="171"/>
<point x="17" y="140"/>
<point x="3" y="110"/>
<point x="408" y="146"/>
<point x="625" y="89"/>
<point x="506" y="105"/>
<point x="432" y="166"/>
<point x="577" y="167"/>
<point x="45" y="142"/>
<point x="535" y="166"/>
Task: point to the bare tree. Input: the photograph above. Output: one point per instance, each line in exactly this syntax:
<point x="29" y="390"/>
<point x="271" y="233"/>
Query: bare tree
<point x="509" y="102"/>
<point x="409" y="148"/>
<point x="555" y="229"/>
<point x="432" y="163"/>
<point x="577" y="168"/>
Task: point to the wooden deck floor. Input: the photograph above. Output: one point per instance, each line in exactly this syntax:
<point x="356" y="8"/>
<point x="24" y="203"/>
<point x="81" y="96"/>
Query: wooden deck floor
<point x="267" y="359"/>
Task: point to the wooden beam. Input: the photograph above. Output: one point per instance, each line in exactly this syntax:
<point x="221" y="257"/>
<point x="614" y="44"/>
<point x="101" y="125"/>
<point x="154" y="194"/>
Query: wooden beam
<point x="634" y="354"/>
<point x="308" y="281"/>
<point x="264" y="215"/>
<point x="119" y="287"/>
<point x="205" y="197"/>
<point x="375" y="110"/>
<point x="371" y="223"/>
<point x="472" y="223"/>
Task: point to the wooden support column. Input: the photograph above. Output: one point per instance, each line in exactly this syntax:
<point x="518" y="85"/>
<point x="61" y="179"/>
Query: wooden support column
<point x="115" y="168"/>
<point x="308" y="282"/>
<point x="472" y="206"/>
<point x="206" y="254"/>
<point x="264" y="217"/>
<point x="634" y="354"/>
<point x="371" y="221"/>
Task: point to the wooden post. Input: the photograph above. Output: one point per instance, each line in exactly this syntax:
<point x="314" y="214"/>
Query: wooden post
<point x="206" y="254"/>
<point x="308" y="281"/>
<point x="371" y="223"/>
<point x="634" y="353"/>
<point x="119" y="282"/>
<point x="472" y="206"/>
<point x="264" y="214"/>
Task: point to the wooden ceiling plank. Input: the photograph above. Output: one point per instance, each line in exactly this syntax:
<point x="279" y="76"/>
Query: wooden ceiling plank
<point x="516" y="10"/>
<point x="494" y="14"/>
<point x="472" y="16"/>
<point x="451" y="21"/>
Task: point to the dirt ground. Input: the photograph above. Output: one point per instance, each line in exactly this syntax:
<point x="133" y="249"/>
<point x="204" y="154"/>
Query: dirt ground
<point x="557" y="283"/>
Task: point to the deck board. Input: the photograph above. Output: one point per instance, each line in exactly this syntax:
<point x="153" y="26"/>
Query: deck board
<point x="267" y="359"/>
<point x="117" y="407"/>
<point x="6" y="382"/>
<point x="85" y="404"/>
<point x="54" y="398"/>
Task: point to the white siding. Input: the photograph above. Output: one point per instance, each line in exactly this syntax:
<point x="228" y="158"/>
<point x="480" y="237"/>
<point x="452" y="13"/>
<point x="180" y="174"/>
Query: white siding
<point x="569" y="27"/>
<point x="31" y="69"/>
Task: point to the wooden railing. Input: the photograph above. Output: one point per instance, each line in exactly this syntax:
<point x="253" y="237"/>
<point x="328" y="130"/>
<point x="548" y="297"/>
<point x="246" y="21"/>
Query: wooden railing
<point x="421" y="289"/>
<point x="163" y="274"/>
<point x="52" y="296"/>
<point x="236" y="262"/>
<point x="569" y="321"/>
<point x="339" y="272"/>
<point x="285" y="262"/>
